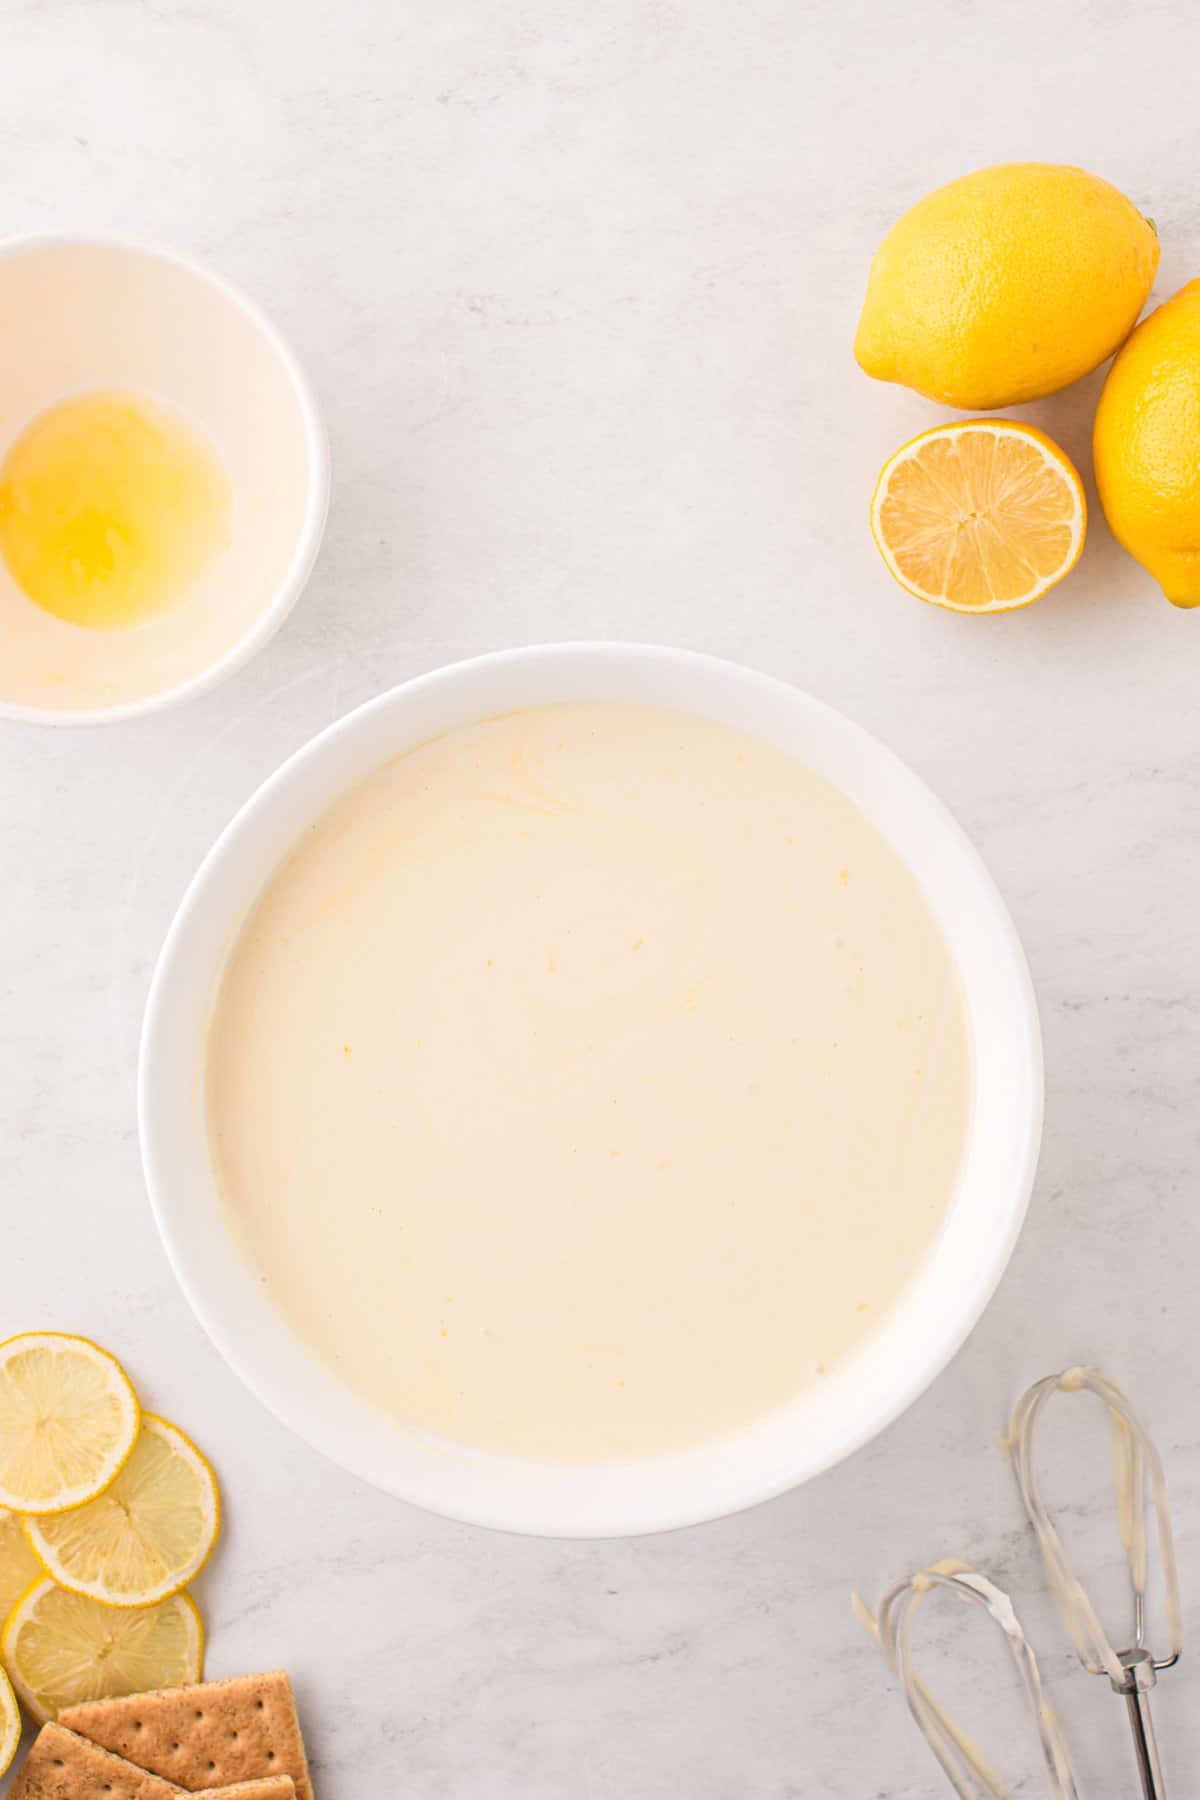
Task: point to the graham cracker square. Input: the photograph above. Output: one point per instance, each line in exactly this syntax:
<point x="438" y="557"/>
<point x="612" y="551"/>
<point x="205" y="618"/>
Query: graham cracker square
<point x="63" y="1766"/>
<point x="211" y="1735"/>
<point x="274" y="1787"/>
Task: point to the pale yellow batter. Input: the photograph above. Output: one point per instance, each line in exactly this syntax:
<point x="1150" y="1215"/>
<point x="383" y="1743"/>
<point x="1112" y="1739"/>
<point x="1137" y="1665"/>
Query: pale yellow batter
<point x="588" y="1082"/>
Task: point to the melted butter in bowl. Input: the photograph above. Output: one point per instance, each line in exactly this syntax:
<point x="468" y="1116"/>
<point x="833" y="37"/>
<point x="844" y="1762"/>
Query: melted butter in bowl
<point x="163" y="479"/>
<point x="589" y="1082"/>
<point x="112" y="508"/>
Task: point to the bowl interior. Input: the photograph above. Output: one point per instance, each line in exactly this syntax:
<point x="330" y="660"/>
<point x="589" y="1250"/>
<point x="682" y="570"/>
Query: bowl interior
<point x="78" y="316"/>
<point x="862" y="1394"/>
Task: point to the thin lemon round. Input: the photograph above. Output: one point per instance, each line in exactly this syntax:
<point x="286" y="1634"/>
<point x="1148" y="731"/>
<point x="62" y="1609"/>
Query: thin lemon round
<point x="68" y="1419"/>
<point x="19" y="1567"/>
<point x="979" y="517"/>
<point x="10" y="1722"/>
<point x="147" y="1534"/>
<point x="61" y="1648"/>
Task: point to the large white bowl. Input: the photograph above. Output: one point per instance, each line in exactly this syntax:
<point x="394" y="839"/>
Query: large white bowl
<point x="80" y="313"/>
<point x="862" y="1395"/>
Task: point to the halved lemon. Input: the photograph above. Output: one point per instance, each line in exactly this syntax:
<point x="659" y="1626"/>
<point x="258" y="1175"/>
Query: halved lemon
<point x="146" y="1535"/>
<point x="60" y="1648"/>
<point x="68" y="1420"/>
<point x="981" y="516"/>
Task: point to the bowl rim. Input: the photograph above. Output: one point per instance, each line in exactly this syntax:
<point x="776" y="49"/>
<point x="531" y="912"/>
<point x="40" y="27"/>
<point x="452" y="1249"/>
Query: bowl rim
<point x="455" y="1481"/>
<point x="308" y="543"/>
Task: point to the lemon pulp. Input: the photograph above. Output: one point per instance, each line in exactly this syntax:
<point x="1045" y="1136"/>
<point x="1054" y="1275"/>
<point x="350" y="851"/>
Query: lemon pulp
<point x="112" y="506"/>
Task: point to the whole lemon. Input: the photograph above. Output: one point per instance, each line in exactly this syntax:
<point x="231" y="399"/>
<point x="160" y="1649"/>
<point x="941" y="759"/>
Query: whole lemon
<point x="1146" y="446"/>
<point x="1006" y="285"/>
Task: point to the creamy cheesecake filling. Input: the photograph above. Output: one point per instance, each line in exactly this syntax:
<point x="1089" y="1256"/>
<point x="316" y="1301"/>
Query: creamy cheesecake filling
<point x="588" y="1082"/>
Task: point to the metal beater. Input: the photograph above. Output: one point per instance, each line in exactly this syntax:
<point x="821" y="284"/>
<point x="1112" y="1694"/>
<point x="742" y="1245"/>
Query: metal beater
<point x="968" y="1770"/>
<point x="1135" y="1671"/>
<point x="1132" y="1672"/>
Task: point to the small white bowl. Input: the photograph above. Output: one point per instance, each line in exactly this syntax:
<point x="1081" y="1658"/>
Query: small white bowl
<point x="80" y="313"/>
<point x="860" y="1396"/>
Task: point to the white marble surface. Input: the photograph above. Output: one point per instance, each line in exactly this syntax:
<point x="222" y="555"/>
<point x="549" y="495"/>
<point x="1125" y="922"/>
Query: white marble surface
<point x="577" y="282"/>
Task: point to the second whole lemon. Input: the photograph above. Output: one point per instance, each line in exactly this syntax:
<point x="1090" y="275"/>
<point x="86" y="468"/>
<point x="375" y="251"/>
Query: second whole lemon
<point x="1146" y="446"/>
<point x="1006" y="285"/>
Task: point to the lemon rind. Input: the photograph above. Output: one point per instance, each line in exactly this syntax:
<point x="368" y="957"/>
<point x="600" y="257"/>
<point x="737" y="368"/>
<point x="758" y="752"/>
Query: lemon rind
<point x="28" y="1696"/>
<point x="23" y="1691"/>
<point x="1051" y="455"/>
<point x="10" y="1743"/>
<point x="150" y="1596"/>
<point x="16" y="1503"/>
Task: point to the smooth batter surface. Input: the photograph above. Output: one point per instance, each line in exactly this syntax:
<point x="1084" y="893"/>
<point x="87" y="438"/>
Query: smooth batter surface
<point x="587" y="1082"/>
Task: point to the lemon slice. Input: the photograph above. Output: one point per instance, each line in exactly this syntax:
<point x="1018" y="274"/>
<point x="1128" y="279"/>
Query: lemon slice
<point x="60" y="1648"/>
<point x="68" y="1420"/>
<point x="10" y="1722"/>
<point x="146" y="1535"/>
<point x="18" y="1565"/>
<point x="979" y="517"/>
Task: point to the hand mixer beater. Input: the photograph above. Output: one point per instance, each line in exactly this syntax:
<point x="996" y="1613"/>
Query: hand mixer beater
<point x="1132" y="1672"/>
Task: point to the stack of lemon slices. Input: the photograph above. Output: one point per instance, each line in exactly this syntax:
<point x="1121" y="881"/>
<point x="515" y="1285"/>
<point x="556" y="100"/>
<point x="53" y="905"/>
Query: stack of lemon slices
<point x="106" y="1514"/>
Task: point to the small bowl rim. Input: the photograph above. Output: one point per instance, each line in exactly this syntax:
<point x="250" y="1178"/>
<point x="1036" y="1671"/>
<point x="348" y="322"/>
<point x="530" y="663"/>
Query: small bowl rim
<point x="723" y="1475"/>
<point x="308" y="543"/>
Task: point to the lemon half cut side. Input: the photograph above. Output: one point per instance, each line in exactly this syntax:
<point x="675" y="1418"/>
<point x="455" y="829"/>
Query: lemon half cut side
<point x="982" y="516"/>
